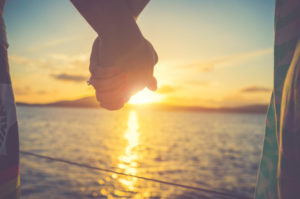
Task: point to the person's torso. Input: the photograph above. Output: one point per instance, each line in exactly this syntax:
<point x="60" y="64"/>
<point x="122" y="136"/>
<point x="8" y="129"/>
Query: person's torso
<point x="287" y="34"/>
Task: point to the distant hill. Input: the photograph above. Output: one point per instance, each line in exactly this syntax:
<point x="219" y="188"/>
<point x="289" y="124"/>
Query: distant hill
<point x="258" y="108"/>
<point x="86" y="102"/>
<point x="91" y="102"/>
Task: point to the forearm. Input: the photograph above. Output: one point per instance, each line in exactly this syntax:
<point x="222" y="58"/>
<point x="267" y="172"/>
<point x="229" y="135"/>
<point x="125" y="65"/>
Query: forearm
<point x="114" y="22"/>
<point x="136" y="6"/>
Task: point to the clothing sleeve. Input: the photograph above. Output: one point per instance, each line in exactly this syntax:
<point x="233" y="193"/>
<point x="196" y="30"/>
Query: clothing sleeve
<point x="289" y="134"/>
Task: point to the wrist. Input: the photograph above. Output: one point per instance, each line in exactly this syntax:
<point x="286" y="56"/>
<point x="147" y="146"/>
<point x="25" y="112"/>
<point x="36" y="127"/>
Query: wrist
<point x="115" y="48"/>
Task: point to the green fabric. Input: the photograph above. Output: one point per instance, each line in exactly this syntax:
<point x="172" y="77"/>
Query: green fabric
<point x="267" y="182"/>
<point x="279" y="171"/>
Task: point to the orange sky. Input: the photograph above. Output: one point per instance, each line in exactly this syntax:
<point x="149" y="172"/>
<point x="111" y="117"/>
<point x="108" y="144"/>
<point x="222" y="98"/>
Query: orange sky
<point x="209" y="54"/>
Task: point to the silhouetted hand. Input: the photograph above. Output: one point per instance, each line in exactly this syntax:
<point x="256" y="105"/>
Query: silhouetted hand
<point x="139" y="69"/>
<point x="114" y="85"/>
<point x="110" y="87"/>
<point x="109" y="82"/>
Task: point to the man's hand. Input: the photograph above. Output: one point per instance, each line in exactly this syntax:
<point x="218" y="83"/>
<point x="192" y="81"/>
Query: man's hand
<point x="122" y="46"/>
<point x="139" y="69"/>
<point x="114" y="85"/>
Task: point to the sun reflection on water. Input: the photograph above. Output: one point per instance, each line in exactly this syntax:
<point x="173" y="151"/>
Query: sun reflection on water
<point x="128" y="160"/>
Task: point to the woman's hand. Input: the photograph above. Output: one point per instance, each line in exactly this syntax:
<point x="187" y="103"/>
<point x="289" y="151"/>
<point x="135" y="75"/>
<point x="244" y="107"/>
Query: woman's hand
<point x="109" y="82"/>
<point x="114" y="85"/>
<point x="139" y="69"/>
<point x="110" y="87"/>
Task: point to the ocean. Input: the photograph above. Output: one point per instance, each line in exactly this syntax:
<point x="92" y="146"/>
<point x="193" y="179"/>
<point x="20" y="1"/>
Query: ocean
<point x="215" y="151"/>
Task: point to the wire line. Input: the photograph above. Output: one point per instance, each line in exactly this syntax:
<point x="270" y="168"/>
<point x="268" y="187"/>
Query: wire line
<point x="129" y="175"/>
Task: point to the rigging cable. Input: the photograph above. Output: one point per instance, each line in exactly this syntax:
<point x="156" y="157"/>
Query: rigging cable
<point x="130" y="175"/>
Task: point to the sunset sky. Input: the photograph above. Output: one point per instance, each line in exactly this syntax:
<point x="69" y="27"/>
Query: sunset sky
<point x="211" y="53"/>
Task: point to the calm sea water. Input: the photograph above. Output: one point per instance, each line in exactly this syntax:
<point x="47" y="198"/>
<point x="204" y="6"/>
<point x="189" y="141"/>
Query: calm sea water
<point x="218" y="151"/>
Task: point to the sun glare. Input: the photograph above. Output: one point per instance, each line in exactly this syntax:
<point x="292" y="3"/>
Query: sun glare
<point x="145" y="96"/>
<point x="128" y="161"/>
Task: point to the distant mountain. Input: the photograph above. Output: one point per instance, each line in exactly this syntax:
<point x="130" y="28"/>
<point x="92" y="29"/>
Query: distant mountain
<point x="257" y="108"/>
<point x="91" y="102"/>
<point x="86" y="102"/>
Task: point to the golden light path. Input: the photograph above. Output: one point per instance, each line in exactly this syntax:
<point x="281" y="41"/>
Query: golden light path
<point x="145" y="96"/>
<point x="128" y="160"/>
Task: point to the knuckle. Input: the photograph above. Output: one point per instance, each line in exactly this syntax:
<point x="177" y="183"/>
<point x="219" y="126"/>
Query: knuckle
<point x="111" y="106"/>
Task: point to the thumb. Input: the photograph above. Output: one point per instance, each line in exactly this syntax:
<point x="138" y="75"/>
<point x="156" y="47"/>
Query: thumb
<point x="152" y="84"/>
<point x="94" y="62"/>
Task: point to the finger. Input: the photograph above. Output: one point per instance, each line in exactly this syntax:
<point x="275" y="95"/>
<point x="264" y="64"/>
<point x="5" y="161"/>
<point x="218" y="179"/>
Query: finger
<point x="105" y="72"/>
<point x="112" y="96"/>
<point x="126" y="98"/>
<point x="94" y="56"/>
<point x="134" y="87"/>
<point x="153" y="52"/>
<point x="113" y="104"/>
<point x="112" y="107"/>
<point x="96" y="70"/>
<point x="152" y="84"/>
<point x="109" y="83"/>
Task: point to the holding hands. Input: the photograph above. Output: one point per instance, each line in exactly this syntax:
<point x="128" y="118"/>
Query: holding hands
<point x="122" y="60"/>
<point x="115" y="84"/>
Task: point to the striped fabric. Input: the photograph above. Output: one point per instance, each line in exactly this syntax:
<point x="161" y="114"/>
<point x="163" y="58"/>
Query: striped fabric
<point x="2" y="25"/>
<point x="9" y="141"/>
<point x="279" y="173"/>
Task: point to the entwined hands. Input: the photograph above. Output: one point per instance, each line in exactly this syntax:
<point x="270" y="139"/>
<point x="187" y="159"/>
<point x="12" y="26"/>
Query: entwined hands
<point x="114" y="85"/>
<point x="122" y="61"/>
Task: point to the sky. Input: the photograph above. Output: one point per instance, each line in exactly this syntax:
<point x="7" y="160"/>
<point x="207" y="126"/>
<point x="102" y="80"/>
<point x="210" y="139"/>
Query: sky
<point x="211" y="53"/>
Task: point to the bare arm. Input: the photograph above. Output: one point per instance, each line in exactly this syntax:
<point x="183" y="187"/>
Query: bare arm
<point x="137" y="6"/>
<point x="114" y="22"/>
<point x="120" y="45"/>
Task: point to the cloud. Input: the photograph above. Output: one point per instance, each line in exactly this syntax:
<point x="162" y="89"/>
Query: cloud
<point x="199" y="83"/>
<point x="29" y="62"/>
<point x="78" y="63"/>
<point x="58" y="62"/>
<point x="70" y="77"/>
<point x="83" y="57"/>
<point x="241" y="97"/>
<point x="164" y="89"/>
<point x="22" y="90"/>
<point x="255" y="89"/>
<point x="42" y="92"/>
<point x="49" y="44"/>
<point x="210" y="65"/>
<point x="28" y="90"/>
<point x="191" y="101"/>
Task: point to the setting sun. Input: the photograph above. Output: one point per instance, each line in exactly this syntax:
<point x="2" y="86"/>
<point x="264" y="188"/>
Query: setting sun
<point x="79" y="117"/>
<point x="145" y="96"/>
